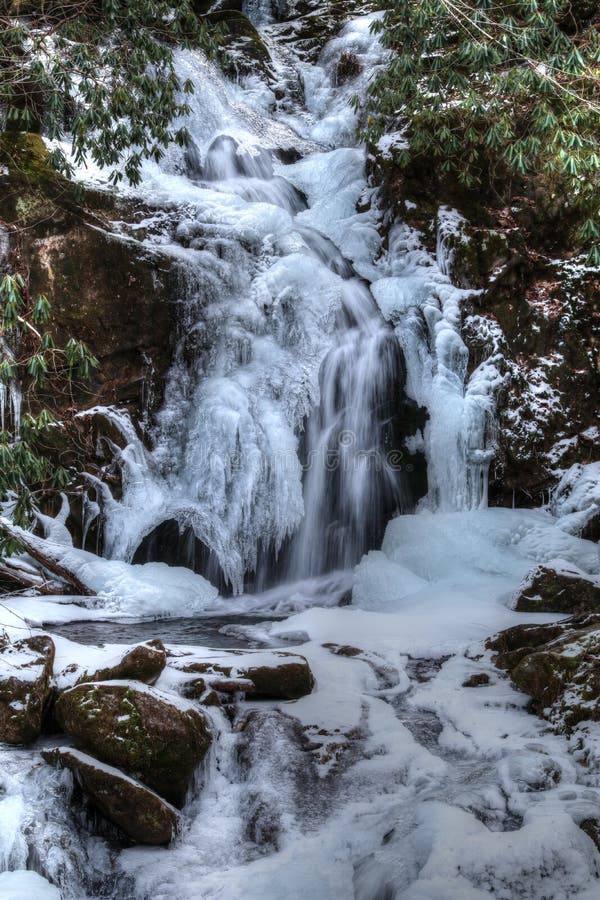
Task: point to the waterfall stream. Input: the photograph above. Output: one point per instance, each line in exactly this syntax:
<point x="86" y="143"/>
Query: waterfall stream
<point x="316" y="374"/>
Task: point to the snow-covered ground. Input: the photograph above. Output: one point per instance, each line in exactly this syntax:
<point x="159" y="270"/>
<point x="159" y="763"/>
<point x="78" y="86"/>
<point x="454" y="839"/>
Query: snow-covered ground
<point x="391" y="779"/>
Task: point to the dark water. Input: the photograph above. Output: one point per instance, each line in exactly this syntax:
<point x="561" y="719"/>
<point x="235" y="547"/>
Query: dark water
<point x="211" y="631"/>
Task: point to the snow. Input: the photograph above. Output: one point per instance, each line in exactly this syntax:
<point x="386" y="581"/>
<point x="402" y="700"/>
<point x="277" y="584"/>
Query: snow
<point x="439" y="586"/>
<point x="576" y="498"/>
<point x="139" y="590"/>
<point x="26" y="885"/>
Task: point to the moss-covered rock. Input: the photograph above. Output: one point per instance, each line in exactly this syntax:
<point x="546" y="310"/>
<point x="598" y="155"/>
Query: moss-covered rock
<point x="543" y="675"/>
<point x="557" y="665"/>
<point x="31" y="191"/>
<point x="148" y="734"/>
<point x="25" y="672"/>
<point x="144" y="816"/>
<point x="242" y="49"/>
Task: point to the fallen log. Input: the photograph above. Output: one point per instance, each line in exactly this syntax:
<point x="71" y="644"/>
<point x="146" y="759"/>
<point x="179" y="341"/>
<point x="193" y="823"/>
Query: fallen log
<point x="41" y="551"/>
<point x="23" y="579"/>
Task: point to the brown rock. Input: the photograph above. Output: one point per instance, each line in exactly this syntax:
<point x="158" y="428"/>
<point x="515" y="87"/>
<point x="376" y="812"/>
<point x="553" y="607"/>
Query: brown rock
<point x="25" y="672"/>
<point x="520" y="636"/>
<point x="279" y="676"/>
<point x="560" y="589"/>
<point x="561" y="673"/>
<point x="144" y="662"/>
<point x="144" y="816"/>
<point x="153" y="737"/>
<point x="477" y="679"/>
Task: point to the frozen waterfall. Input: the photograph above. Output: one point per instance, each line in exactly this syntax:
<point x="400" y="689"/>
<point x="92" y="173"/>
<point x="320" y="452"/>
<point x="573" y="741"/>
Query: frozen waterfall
<point x="316" y="366"/>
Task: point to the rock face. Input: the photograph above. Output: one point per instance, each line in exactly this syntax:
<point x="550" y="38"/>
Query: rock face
<point x="558" y="587"/>
<point x="144" y="662"/>
<point x="25" y="672"/>
<point x="144" y="816"/>
<point x="557" y="665"/>
<point x="105" y="288"/>
<point x="278" y="676"/>
<point x="148" y="734"/>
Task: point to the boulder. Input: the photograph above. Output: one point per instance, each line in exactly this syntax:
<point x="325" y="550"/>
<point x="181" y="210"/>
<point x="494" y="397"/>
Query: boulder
<point x="25" y="672"/>
<point x="557" y="665"/>
<point x="558" y="587"/>
<point x="263" y="674"/>
<point x="144" y="662"/>
<point x="152" y="736"/>
<point x="144" y="816"/>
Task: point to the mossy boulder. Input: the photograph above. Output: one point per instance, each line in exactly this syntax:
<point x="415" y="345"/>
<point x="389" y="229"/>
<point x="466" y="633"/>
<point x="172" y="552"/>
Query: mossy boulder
<point x="242" y="49"/>
<point x="144" y="816"/>
<point x="543" y="675"/>
<point x="153" y="737"/>
<point x="31" y="191"/>
<point x="558" y="588"/>
<point x="558" y="665"/>
<point x="25" y="673"/>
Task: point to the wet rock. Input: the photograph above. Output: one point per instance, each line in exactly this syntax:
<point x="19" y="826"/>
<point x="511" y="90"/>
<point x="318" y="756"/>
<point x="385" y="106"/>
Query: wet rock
<point x="152" y="736"/>
<point x="348" y="67"/>
<point x="144" y="662"/>
<point x="591" y="827"/>
<point x="477" y="679"/>
<point x="107" y="290"/>
<point x="25" y="672"/>
<point x="144" y="816"/>
<point x="279" y="676"/>
<point x="558" y="587"/>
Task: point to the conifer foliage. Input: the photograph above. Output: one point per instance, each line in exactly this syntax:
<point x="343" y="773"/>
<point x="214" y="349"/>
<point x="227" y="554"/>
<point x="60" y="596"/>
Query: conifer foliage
<point x="489" y="90"/>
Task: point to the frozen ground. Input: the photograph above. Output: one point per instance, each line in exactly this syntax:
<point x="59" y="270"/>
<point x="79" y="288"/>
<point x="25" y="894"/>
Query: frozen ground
<point x="391" y="780"/>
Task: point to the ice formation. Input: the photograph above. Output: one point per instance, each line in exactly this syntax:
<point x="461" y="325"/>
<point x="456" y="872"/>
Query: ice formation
<point x="297" y="334"/>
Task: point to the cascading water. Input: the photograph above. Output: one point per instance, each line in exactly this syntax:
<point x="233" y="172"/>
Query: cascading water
<point x="293" y="422"/>
<point x="283" y="362"/>
<point x="355" y="477"/>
